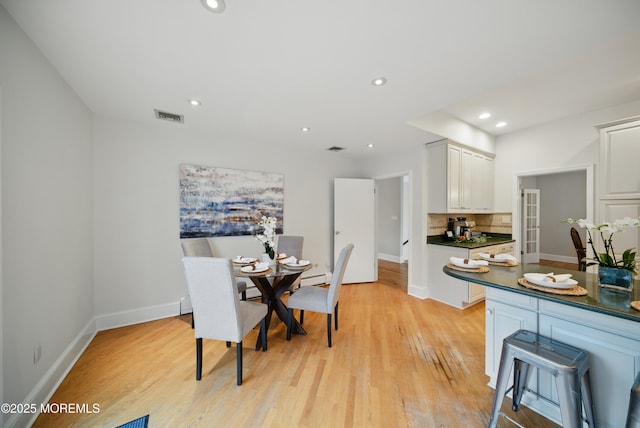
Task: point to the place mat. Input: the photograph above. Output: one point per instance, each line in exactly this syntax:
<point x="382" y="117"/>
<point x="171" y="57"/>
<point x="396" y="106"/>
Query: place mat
<point x="508" y="263"/>
<point x="573" y="291"/>
<point x="261" y="273"/>
<point x="481" y="269"/>
<point x="636" y="305"/>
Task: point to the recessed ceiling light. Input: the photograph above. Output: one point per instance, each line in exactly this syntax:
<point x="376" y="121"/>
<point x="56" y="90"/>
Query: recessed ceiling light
<point x="485" y="115"/>
<point x="194" y="103"/>
<point x="305" y="129"/>
<point x="378" y="81"/>
<point x="215" y="6"/>
<point x="371" y="145"/>
<point x="501" y="124"/>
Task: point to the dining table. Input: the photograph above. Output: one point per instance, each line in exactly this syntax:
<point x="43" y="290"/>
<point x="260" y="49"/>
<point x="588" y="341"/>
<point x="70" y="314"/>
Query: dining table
<point x="273" y="282"/>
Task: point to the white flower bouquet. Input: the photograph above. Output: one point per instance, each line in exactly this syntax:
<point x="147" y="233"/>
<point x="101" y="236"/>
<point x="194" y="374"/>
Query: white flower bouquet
<point x="268" y="235"/>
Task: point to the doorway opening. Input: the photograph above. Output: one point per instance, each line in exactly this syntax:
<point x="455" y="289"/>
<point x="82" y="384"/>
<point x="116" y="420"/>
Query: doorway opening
<point x="393" y="223"/>
<point x="562" y="193"/>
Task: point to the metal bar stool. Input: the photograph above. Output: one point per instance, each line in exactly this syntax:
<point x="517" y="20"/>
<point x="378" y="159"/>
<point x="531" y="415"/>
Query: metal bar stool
<point x="567" y="364"/>
<point x="633" y="415"/>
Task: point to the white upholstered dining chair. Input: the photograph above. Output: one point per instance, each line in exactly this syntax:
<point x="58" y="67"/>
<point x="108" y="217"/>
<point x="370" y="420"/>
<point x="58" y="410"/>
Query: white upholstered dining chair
<point x="291" y="246"/>
<point x="218" y="312"/>
<point x="200" y="247"/>
<point x="321" y="299"/>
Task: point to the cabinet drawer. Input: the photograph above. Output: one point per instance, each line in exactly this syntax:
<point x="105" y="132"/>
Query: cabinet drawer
<point x="511" y="298"/>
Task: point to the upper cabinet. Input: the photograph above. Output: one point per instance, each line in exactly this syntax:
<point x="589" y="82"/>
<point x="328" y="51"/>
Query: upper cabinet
<point x="619" y="154"/>
<point x="460" y="179"/>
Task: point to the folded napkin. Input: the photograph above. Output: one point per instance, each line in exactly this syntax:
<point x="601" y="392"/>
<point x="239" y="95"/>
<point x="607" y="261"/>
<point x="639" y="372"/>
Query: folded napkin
<point x="255" y="266"/>
<point x="468" y="262"/>
<point x="291" y="259"/>
<point x="550" y="277"/>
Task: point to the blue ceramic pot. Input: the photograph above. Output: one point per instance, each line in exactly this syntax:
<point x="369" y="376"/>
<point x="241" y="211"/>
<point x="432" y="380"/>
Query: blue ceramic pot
<point x="615" y="276"/>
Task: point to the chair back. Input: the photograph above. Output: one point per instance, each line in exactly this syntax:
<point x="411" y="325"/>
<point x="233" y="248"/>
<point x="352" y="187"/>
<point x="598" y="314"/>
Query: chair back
<point x="580" y="250"/>
<point x="338" y="275"/>
<point x="214" y="298"/>
<point x="290" y="245"/>
<point x="196" y="248"/>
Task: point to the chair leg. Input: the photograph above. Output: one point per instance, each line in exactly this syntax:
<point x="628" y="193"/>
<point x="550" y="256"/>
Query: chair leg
<point x="239" y="361"/>
<point x="228" y="344"/>
<point x="263" y="333"/>
<point x="193" y="324"/>
<point x="336" y="315"/>
<point x="199" y="359"/>
<point x="243" y="296"/>
<point x="289" y="322"/>
<point x="301" y="316"/>
<point x="329" y="329"/>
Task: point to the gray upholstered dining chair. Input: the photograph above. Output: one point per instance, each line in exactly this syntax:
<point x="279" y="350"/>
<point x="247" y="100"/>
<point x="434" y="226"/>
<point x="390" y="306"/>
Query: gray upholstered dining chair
<point x="321" y="299"/>
<point x="218" y="312"/>
<point x="200" y="247"/>
<point x="291" y="246"/>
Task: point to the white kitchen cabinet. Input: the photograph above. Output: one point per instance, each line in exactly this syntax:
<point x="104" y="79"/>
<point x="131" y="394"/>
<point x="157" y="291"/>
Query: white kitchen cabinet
<point x="452" y="291"/>
<point x="619" y="153"/>
<point x="614" y="357"/>
<point x="460" y="179"/>
<point x="506" y="313"/>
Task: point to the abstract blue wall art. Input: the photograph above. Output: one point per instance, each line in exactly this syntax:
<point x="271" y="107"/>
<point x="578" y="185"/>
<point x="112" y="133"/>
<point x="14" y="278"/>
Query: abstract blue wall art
<point x="227" y="202"/>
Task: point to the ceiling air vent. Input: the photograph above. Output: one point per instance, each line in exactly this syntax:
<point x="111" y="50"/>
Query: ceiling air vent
<point x="335" y="149"/>
<point x="171" y="117"/>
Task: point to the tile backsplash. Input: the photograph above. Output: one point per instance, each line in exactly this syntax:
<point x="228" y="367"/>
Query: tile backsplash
<point x="488" y="223"/>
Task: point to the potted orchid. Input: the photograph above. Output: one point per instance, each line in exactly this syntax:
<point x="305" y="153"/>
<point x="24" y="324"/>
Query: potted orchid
<point x="612" y="269"/>
<point x="267" y="236"/>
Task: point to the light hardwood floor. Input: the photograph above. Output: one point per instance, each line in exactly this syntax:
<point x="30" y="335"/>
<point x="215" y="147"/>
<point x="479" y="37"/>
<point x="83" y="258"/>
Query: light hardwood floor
<point x="396" y="361"/>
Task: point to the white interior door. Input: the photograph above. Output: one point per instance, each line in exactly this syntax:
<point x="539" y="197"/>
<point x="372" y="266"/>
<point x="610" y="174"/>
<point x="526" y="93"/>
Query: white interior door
<point x="531" y="226"/>
<point x="354" y="222"/>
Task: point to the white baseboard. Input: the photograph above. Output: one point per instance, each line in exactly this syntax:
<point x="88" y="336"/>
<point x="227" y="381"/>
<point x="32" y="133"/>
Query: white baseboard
<point x="52" y="379"/>
<point x="417" y="291"/>
<point x="321" y="279"/>
<point x="137" y="316"/>
<point x="557" y="258"/>
<point x="390" y="258"/>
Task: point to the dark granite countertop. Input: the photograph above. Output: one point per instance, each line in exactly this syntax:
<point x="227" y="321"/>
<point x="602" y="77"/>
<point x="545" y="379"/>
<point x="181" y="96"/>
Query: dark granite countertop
<point x="598" y="299"/>
<point x="490" y="239"/>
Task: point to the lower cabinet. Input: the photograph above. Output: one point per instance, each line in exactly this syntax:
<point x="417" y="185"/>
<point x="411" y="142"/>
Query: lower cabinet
<point x="613" y="345"/>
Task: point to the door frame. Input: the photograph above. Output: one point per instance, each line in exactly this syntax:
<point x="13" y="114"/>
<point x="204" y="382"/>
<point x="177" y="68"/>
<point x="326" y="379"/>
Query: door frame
<point x="591" y="197"/>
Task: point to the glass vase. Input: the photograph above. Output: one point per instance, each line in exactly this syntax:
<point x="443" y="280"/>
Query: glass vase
<point x="617" y="277"/>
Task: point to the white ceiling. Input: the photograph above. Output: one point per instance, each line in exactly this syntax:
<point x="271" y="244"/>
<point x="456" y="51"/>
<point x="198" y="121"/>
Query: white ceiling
<point x="264" y="69"/>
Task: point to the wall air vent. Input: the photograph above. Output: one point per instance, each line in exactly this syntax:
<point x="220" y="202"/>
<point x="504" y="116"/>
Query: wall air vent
<point x="335" y="149"/>
<point x="171" y="117"/>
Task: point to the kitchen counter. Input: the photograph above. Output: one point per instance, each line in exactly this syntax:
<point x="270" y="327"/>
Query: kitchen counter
<point x="492" y="239"/>
<point x="601" y="323"/>
<point x="598" y="299"/>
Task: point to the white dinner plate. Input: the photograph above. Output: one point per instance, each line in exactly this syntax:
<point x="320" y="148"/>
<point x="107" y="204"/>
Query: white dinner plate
<point x="539" y="279"/>
<point x="298" y="264"/>
<point x="252" y="269"/>
<point x="245" y="260"/>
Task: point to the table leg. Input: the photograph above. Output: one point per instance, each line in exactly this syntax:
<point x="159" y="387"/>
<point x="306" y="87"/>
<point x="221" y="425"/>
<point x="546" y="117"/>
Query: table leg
<point x="271" y="295"/>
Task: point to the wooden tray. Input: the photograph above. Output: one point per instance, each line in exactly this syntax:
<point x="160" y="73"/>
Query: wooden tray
<point x="481" y="269"/>
<point x="573" y="291"/>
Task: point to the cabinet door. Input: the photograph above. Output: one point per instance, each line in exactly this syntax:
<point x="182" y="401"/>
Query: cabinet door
<point x="619" y="153"/>
<point x="454" y="178"/>
<point x="616" y="209"/>
<point x="614" y="361"/>
<point x="467" y="180"/>
<point x="501" y="321"/>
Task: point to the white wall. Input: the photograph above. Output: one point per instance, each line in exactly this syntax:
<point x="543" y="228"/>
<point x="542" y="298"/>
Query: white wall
<point x="408" y="162"/>
<point x="47" y="214"/>
<point x="137" y="264"/>
<point x="569" y="142"/>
